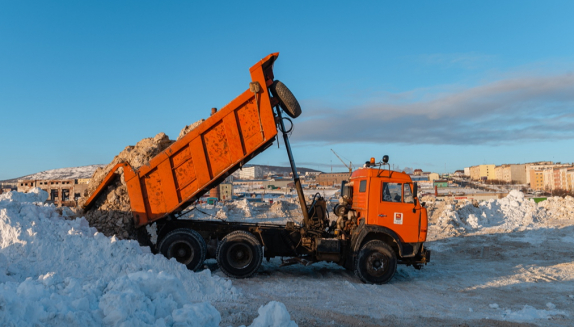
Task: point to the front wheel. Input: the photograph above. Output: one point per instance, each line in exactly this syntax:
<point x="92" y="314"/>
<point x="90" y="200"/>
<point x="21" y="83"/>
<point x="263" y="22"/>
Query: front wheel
<point x="376" y="263"/>
<point x="239" y="254"/>
<point x="186" y="246"/>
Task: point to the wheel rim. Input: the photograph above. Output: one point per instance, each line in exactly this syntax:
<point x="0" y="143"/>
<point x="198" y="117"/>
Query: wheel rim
<point x="239" y="255"/>
<point x="377" y="264"/>
<point x="182" y="252"/>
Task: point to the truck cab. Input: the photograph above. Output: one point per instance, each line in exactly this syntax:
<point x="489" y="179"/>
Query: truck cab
<point x="386" y="198"/>
<point x="385" y="221"/>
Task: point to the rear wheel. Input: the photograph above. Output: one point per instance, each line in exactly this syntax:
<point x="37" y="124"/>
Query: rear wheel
<point x="239" y="254"/>
<point x="287" y="100"/>
<point x="376" y="263"/>
<point x="186" y="246"/>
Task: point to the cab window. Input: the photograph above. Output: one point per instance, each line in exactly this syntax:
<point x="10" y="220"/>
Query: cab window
<point x="408" y="193"/>
<point x="392" y="192"/>
<point x="363" y="186"/>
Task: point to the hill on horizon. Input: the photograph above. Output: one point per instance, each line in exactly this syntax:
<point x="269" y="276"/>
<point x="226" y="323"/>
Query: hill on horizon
<point x="282" y="170"/>
<point x="88" y="171"/>
<point x="60" y="173"/>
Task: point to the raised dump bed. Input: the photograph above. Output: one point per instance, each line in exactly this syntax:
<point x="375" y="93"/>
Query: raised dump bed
<point x="206" y="155"/>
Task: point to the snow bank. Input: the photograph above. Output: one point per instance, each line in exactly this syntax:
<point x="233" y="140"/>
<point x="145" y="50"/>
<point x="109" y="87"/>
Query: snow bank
<point x="56" y="272"/>
<point x="62" y="272"/>
<point x="559" y="208"/>
<point x="511" y="213"/>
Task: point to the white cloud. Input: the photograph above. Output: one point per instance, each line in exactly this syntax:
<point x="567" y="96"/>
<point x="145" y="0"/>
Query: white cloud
<point x="504" y="111"/>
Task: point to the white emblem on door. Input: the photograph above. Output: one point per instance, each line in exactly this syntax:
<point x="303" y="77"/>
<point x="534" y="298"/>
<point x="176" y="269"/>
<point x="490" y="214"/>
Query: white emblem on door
<point x="398" y="218"/>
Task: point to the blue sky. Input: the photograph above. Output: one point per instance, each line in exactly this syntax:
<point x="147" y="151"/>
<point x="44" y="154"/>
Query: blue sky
<point x="437" y="85"/>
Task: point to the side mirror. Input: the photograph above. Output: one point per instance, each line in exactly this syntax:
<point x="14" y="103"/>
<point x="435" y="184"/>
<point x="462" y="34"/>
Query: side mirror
<point x="415" y="189"/>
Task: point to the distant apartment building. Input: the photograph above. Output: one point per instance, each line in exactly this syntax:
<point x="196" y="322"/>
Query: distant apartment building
<point x="570" y="179"/>
<point x="253" y="172"/>
<point x="548" y="178"/>
<point x="418" y="172"/>
<point x="61" y="192"/>
<point x="225" y="191"/>
<point x="518" y="173"/>
<point x="327" y="179"/>
<point x="511" y="173"/>
<point x="279" y="183"/>
<point x="459" y="173"/>
<point x="561" y="178"/>
<point x="467" y="171"/>
<point x="253" y="183"/>
<point x="498" y="172"/>
<point x="541" y="166"/>
<point x="13" y="186"/>
<point x="537" y="180"/>
<point x="433" y="177"/>
<point x="482" y="172"/>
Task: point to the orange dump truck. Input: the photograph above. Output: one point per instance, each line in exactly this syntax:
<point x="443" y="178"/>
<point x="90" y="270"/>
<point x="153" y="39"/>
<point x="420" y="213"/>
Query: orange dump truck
<point x="379" y="220"/>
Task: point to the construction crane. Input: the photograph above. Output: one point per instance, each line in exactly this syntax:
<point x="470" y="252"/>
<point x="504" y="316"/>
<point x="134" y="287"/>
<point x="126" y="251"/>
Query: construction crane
<point x="349" y="166"/>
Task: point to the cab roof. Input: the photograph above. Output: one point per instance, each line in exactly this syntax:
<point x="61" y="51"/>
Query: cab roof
<point x="391" y="175"/>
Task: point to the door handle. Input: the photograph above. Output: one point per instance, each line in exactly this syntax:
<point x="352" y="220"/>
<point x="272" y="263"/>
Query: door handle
<point x="382" y="215"/>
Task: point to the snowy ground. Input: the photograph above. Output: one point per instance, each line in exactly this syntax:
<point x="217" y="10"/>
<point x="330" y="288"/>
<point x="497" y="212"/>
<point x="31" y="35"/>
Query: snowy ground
<point x="480" y="280"/>
<point x="507" y="262"/>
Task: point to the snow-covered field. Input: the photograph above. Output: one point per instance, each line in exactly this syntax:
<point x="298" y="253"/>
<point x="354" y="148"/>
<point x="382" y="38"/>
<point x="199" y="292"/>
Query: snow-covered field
<point x="507" y="262"/>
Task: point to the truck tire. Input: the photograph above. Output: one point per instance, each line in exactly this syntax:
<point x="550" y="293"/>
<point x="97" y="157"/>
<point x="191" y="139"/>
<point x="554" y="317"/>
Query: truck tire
<point x="376" y="263"/>
<point x="239" y="254"/>
<point x="287" y="100"/>
<point x="186" y="246"/>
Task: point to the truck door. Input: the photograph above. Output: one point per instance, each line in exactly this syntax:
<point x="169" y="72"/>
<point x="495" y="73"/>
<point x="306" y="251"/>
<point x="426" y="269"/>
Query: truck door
<point x="395" y="211"/>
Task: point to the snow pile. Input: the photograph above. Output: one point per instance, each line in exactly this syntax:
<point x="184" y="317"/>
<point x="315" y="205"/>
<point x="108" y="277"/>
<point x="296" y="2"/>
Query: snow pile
<point x="189" y="128"/>
<point x="245" y="207"/>
<point x="559" y="208"/>
<point x="511" y="213"/>
<point x="280" y="208"/>
<point x="63" y="272"/>
<point x="273" y="314"/>
<point x="56" y="271"/>
<point x="111" y="213"/>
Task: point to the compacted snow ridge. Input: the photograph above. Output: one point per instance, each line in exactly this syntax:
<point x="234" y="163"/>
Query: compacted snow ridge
<point x="504" y="262"/>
